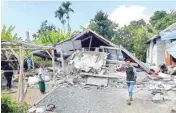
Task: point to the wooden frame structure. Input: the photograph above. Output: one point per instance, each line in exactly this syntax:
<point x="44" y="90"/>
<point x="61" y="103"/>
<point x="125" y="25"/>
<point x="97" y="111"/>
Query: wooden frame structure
<point x="5" y="45"/>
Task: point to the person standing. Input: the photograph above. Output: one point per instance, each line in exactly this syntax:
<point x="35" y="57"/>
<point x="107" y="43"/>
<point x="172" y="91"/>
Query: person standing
<point x="29" y="63"/>
<point x="41" y="77"/>
<point x="8" y="75"/>
<point x="131" y="79"/>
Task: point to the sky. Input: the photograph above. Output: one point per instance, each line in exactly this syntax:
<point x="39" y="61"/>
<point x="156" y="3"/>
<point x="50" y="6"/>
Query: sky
<point x="28" y="15"/>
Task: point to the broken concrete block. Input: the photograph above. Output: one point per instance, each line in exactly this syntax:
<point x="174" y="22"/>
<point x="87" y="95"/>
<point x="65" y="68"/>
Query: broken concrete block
<point x="40" y="109"/>
<point x="164" y="76"/>
<point x="167" y="87"/>
<point x="97" y="81"/>
<point x="157" y="98"/>
<point x="75" y="80"/>
<point x="32" y="110"/>
<point x="172" y="94"/>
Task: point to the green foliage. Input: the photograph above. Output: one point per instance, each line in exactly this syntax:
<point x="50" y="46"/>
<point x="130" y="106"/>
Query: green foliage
<point x="134" y="36"/>
<point x="6" y="34"/>
<point x="10" y="106"/>
<point x="161" y="19"/>
<point x="46" y="62"/>
<point x="103" y="26"/>
<point x="48" y="34"/>
<point x="51" y="37"/>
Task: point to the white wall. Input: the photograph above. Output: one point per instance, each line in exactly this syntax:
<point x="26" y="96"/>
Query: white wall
<point x="160" y="52"/>
<point x="155" y="53"/>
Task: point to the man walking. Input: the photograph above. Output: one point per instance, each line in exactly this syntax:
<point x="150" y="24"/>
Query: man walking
<point x="8" y="75"/>
<point x="131" y="79"/>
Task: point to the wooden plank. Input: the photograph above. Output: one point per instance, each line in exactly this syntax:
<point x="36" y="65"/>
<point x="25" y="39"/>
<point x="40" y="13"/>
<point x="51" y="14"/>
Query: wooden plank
<point x="20" y="83"/>
<point x="53" y="63"/>
<point x="101" y="76"/>
<point x="97" y="81"/>
<point x="145" y="68"/>
<point x="90" y="43"/>
<point x="107" y="47"/>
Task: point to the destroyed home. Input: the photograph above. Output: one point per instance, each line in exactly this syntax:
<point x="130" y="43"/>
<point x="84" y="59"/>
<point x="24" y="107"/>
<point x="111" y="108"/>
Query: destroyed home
<point x="89" y="40"/>
<point x="89" y="71"/>
<point x="161" y="47"/>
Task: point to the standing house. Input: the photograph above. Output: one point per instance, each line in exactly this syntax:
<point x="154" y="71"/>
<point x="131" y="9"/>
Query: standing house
<point x="161" y="47"/>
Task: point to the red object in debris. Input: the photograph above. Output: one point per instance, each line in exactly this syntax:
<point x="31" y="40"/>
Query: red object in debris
<point x="122" y="69"/>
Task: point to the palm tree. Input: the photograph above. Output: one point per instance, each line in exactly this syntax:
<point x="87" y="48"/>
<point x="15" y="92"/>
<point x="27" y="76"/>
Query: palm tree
<point x="60" y="13"/>
<point x="66" y="6"/>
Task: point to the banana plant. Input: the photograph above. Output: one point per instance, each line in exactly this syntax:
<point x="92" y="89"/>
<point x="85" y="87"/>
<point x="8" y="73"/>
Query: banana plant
<point x="7" y="35"/>
<point x="51" y="37"/>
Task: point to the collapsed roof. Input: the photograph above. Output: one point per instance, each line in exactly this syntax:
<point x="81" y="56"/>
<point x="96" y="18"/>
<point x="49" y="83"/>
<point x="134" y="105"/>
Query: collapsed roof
<point x="90" y="40"/>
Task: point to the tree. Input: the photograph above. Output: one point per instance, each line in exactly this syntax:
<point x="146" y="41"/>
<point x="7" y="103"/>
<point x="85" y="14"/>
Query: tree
<point x="66" y="6"/>
<point x="134" y="36"/>
<point x="7" y="34"/>
<point x="48" y="34"/>
<point x="161" y="19"/>
<point x="103" y="26"/>
<point x="60" y="13"/>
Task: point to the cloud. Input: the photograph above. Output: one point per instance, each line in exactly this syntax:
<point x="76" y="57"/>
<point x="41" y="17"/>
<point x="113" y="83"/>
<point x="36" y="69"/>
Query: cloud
<point x="123" y="15"/>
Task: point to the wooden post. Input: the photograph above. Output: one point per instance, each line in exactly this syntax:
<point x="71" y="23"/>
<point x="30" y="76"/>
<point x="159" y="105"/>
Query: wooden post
<point x="53" y="62"/>
<point x="62" y="58"/>
<point x="20" y="83"/>
<point x="33" y="67"/>
<point x="73" y="42"/>
<point x="90" y="43"/>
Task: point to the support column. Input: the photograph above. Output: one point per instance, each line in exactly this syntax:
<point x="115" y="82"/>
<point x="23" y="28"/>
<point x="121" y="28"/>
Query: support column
<point x="33" y="67"/>
<point x="53" y="63"/>
<point x="20" y="83"/>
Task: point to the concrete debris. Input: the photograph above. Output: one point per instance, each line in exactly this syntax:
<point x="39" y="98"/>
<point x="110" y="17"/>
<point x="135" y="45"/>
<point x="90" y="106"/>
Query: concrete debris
<point x="164" y="76"/>
<point x="97" y="81"/>
<point x="87" y="60"/>
<point x="157" y="98"/>
<point x="32" y="110"/>
<point x="75" y="80"/>
<point x="40" y="109"/>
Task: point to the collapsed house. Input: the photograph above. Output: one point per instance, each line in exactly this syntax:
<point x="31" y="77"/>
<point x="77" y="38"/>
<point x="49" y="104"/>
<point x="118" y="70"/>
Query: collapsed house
<point x="161" y="48"/>
<point x="89" y="40"/>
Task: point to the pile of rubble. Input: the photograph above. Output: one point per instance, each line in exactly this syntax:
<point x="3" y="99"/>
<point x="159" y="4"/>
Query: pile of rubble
<point x="90" y="68"/>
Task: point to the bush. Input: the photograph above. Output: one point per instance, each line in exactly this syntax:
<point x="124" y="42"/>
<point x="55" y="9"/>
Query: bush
<point x="10" y="106"/>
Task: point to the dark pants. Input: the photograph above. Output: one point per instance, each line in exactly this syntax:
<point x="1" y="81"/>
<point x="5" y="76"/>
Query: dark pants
<point x="9" y="81"/>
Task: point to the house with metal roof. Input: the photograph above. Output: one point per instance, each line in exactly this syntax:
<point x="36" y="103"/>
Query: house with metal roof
<point x="161" y="48"/>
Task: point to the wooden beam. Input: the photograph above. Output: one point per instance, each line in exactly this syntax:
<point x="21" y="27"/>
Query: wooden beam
<point x="101" y="76"/>
<point x="90" y="43"/>
<point x="25" y="48"/>
<point x="14" y="53"/>
<point x="33" y="67"/>
<point x="50" y="54"/>
<point x="86" y="38"/>
<point x="53" y="63"/>
<point x="20" y="83"/>
<point x="107" y="47"/>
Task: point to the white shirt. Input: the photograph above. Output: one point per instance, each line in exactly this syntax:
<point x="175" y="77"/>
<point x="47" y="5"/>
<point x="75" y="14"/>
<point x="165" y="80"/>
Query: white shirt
<point x="41" y="74"/>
